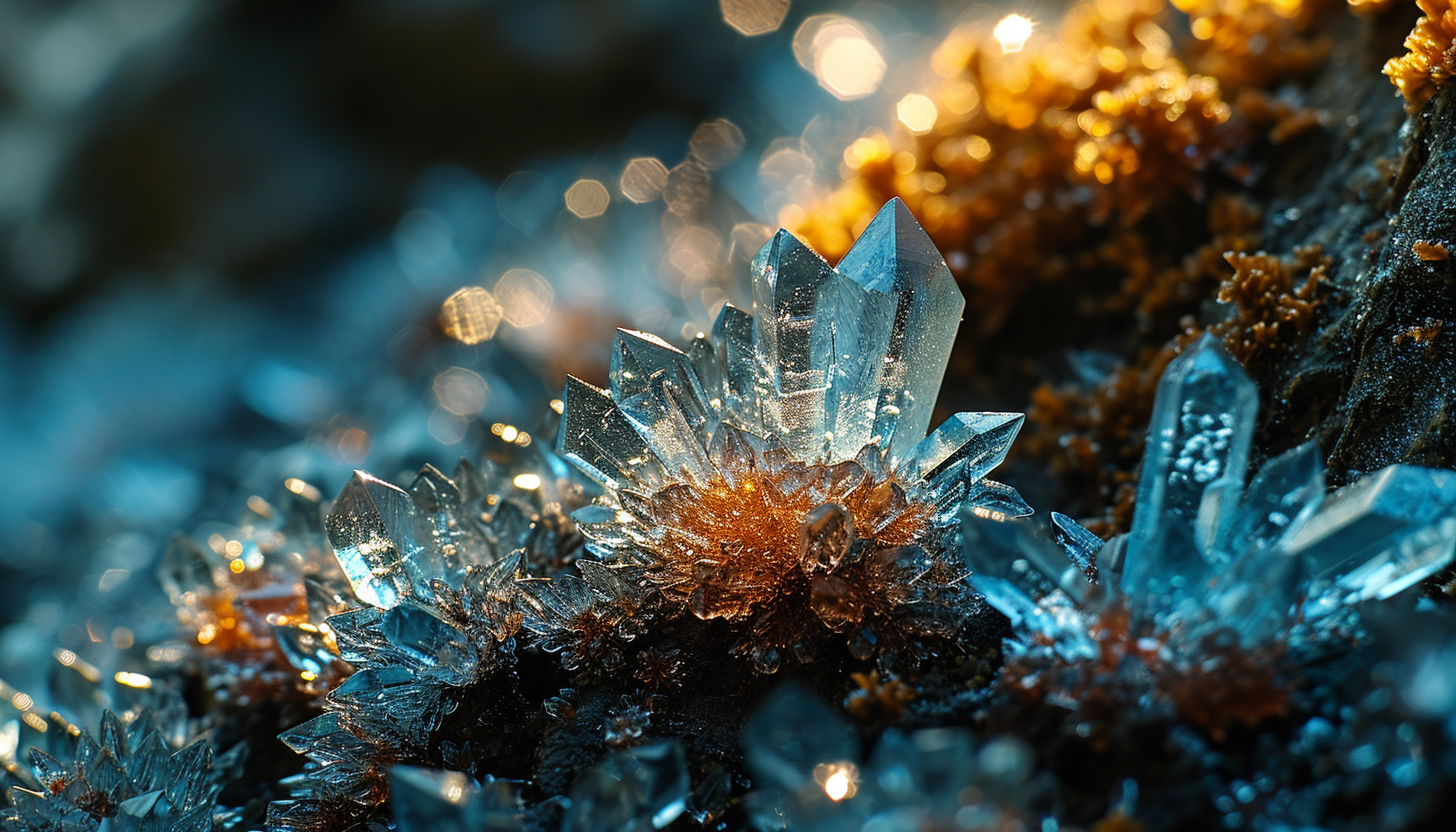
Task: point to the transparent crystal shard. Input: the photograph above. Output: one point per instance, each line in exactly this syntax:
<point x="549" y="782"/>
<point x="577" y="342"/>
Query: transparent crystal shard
<point x="1080" y="544"/>
<point x="640" y="789"/>
<point x="372" y="528"/>
<point x="1016" y="550"/>
<point x="1053" y="620"/>
<point x="896" y="352"/>
<point x="792" y="734"/>
<point x="1381" y="534"/>
<point x="791" y="284"/>
<point x="430" y="646"/>
<point x="427" y="800"/>
<point x="1197" y="453"/>
<point x="602" y="442"/>
<point x="979" y="440"/>
<point x="1281" y="497"/>
<point x="733" y="334"/>
<point x="656" y="387"/>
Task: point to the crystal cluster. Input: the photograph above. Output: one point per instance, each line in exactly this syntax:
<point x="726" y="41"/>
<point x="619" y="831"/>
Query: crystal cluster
<point x="1218" y="578"/>
<point x="434" y="570"/>
<point x="253" y="598"/>
<point x="144" y="769"/>
<point x="778" y="476"/>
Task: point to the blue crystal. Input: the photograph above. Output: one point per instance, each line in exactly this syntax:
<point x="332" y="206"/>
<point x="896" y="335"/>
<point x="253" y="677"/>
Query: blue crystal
<point x="908" y="340"/>
<point x="1197" y="452"/>
<point x="426" y="800"/>
<point x="978" y="440"/>
<point x="1382" y="533"/>
<point x="375" y="537"/>
<point x="642" y="788"/>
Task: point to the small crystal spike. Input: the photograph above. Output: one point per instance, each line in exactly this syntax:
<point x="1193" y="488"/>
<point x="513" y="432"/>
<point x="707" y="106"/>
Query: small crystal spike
<point x="980" y="440"/>
<point x="899" y="349"/>
<point x="1197" y="453"/>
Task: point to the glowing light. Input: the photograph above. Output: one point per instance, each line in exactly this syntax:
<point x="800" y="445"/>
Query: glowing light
<point x="525" y="297"/>
<point x="527" y="482"/>
<point x="471" y="315"/>
<point x="207" y="634"/>
<point x="297" y="486"/>
<point x="840" y="54"/>
<point x="917" y="113"/>
<point x="643" y="180"/>
<point x="587" y="198"/>
<point x="133" y="680"/>
<point x="112" y="578"/>
<point x="237" y="566"/>
<point x="1012" y="33"/>
<point x="505" y="432"/>
<point x="460" y="391"/>
<point x="308" y="675"/>
<point x="754" y="17"/>
<point x="839" y="780"/>
<point x="716" y="143"/>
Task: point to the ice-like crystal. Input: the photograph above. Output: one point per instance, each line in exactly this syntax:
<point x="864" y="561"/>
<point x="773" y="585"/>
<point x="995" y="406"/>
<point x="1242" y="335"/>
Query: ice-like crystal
<point x="600" y="440"/>
<point x="426" y="800"/>
<point x="1197" y="452"/>
<point x="133" y="780"/>
<point x="1389" y="526"/>
<point x="979" y="440"/>
<point x="640" y="789"/>
<point x="791" y="735"/>
<point x="905" y="325"/>
<point x="372" y="528"/>
<point x="791" y="284"/>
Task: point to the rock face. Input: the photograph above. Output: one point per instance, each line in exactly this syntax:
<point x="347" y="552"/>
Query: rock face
<point x="1403" y="358"/>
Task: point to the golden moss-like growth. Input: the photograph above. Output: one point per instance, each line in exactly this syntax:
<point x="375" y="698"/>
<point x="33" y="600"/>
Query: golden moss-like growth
<point x="1035" y="159"/>
<point x="1275" y="298"/>
<point x="1430" y="60"/>
<point x="1253" y="43"/>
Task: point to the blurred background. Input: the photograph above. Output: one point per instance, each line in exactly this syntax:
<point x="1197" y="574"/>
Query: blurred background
<point x="244" y="241"/>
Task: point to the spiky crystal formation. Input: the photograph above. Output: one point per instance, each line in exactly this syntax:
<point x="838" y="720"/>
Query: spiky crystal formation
<point x="137" y="777"/>
<point x="778" y="476"/>
<point x="434" y="569"/>
<point x="1210" y="553"/>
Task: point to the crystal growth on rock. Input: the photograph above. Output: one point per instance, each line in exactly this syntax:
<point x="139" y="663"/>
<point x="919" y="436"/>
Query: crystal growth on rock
<point x="778" y="476"/>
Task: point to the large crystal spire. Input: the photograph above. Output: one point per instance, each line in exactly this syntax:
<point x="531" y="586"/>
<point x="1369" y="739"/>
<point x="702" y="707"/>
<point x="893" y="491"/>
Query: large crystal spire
<point x="1197" y="453"/>
<point x="894" y="328"/>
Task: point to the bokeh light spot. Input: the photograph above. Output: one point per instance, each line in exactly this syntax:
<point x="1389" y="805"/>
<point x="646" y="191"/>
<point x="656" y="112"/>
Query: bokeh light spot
<point x="840" y="54"/>
<point x="471" y="315"/>
<point x="917" y="113"/>
<point x="587" y="198"/>
<point x="460" y="391"/>
<point x="643" y="179"/>
<point x="754" y="17"/>
<point x="716" y="143"/>
<point x="524" y="296"/>
<point x="1012" y="33"/>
